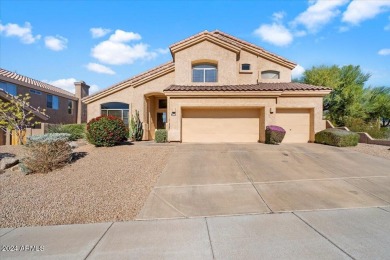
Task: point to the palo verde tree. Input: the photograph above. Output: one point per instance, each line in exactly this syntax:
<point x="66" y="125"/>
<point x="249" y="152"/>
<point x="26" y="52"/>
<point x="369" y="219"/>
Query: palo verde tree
<point x="347" y="83"/>
<point x="376" y="102"/>
<point x="16" y="114"/>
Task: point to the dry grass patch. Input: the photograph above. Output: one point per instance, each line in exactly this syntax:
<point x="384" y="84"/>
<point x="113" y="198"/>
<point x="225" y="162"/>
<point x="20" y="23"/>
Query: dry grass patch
<point x="107" y="184"/>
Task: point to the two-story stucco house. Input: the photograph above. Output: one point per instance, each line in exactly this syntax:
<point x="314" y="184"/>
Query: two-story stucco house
<point x="61" y="106"/>
<point x="217" y="88"/>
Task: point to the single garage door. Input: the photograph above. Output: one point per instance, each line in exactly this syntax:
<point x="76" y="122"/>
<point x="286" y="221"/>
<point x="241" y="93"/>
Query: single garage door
<point x="213" y="125"/>
<point x="296" y="122"/>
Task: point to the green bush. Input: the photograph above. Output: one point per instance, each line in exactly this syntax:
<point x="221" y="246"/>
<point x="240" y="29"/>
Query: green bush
<point x="106" y="131"/>
<point x="76" y="131"/>
<point x="337" y="137"/>
<point x="161" y="136"/>
<point x="47" y="152"/>
<point x="373" y="129"/>
<point x="274" y="134"/>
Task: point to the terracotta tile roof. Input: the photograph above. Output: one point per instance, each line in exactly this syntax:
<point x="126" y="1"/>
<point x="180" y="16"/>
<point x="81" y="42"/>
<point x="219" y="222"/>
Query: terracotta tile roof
<point x="5" y="74"/>
<point x="240" y="43"/>
<point x="289" y="86"/>
<point x="134" y="79"/>
<point x="6" y="96"/>
<point x="236" y="42"/>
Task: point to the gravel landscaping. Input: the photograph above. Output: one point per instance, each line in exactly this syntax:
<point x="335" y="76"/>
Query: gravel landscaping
<point x="104" y="185"/>
<point x="372" y="149"/>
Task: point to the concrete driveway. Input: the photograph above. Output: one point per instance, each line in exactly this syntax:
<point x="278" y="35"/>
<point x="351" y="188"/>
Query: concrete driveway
<point x="233" y="179"/>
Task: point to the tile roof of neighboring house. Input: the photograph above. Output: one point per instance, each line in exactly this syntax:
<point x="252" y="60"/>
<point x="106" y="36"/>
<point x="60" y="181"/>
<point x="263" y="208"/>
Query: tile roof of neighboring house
<point x="289" y="86"/>
<point x="5" y="74"/>
<point x="133" y="79"/>
<point x="35" y="111"/>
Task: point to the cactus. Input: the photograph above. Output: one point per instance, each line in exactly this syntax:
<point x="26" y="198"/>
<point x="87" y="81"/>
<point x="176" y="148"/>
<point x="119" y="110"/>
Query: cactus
<point x="136" y="127"/>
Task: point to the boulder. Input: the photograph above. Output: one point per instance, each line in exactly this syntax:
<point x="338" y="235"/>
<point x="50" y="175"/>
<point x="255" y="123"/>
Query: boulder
<point x="8" y="162"/>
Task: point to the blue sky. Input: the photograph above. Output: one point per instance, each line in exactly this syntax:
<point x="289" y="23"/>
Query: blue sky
<point x="104" y="42"/>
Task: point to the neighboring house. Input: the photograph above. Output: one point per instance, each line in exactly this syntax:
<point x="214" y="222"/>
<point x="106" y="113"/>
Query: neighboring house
<point x="38" y="115"/>
<point x="217" y="88"/>
<point x="60" y="105"/>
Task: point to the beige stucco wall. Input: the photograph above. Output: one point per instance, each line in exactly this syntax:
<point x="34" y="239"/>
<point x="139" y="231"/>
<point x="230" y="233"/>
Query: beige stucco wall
<point x="177" y="104"/>
<point x="226" y="60"/>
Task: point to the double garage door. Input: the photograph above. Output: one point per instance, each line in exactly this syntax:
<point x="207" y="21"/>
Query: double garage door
<point x="215" y="125"/>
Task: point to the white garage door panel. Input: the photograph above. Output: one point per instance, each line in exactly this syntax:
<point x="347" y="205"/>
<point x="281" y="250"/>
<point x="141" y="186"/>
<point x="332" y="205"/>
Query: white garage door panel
<point x="220" y="125"/>
<point x="296" y="122"/>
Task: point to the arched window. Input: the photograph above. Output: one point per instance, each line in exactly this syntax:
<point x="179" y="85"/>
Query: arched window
<point x="204" y="72"/>
<point x="117" y="109"/>
<point x="270" y="74"/>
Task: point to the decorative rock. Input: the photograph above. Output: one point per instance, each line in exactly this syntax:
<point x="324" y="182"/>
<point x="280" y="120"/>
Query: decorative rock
<point x="8" y="162"/>
<point x="15" y="168"/>
<point x="73" y="145"/>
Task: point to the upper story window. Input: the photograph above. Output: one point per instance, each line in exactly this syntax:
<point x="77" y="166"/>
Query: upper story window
<point x="70" y="107"/>
<point x="52" y="102"/>
<point x="204" y="73"/>
<point x="245" y="66"/>
<point x="36" y="92"/>
<point x="270" y="74"/>
<point x="162" y="103"/>
<point x="9" y="88"/>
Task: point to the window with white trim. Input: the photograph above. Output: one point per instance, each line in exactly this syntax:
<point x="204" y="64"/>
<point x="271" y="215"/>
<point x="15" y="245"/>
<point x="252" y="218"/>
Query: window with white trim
<point x="205" y="72"/>
<point x="117" y="109"/>
<point x="270" y="74"/>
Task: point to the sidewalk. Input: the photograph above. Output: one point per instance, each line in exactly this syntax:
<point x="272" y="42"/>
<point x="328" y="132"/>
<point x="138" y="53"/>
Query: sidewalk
<point x="330" y="234"/>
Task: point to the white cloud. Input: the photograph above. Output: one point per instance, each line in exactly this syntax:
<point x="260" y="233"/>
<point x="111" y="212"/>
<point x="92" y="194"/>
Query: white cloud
<point x="116" y="52"/>
<point x="99" y="32"/>
<point x="278" y="16"/>
<point x="163" y="51"/>
<point x="122" y="36"/>
<point x="56" y="43"/>
<point x="297" y="72"/>
<point x="24" y="33"/>
<point x="67" y="84"/>
<point x="275" y="34"/>
<point x="93" y="89"/>
<point x="318" y="14"/>
<point x="384" y="52"/>
<point x="360" y="10"/>
<point x="99" y="68"/>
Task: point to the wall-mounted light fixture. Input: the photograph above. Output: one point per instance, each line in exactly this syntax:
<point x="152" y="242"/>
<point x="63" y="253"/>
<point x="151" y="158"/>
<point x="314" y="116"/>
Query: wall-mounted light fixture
<point x="271" y="111"/>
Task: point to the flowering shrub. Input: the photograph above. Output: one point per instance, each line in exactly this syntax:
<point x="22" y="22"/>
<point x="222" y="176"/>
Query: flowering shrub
<point x="106" y="131"/>
<point x="337" y="137"/>
<point x="47" y="152"/>
<point x="274" y="134"/>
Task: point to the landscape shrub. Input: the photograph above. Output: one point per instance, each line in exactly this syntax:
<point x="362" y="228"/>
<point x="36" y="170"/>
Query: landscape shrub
<point x="76" y="131"/>
<point x="106" y="131"/>
<point x="373" y="129"/>
<point x="274" y="134"/>
<point x="47" y="152"/>
<point x="337" y="137"/>
<point x="161" y="136"/>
